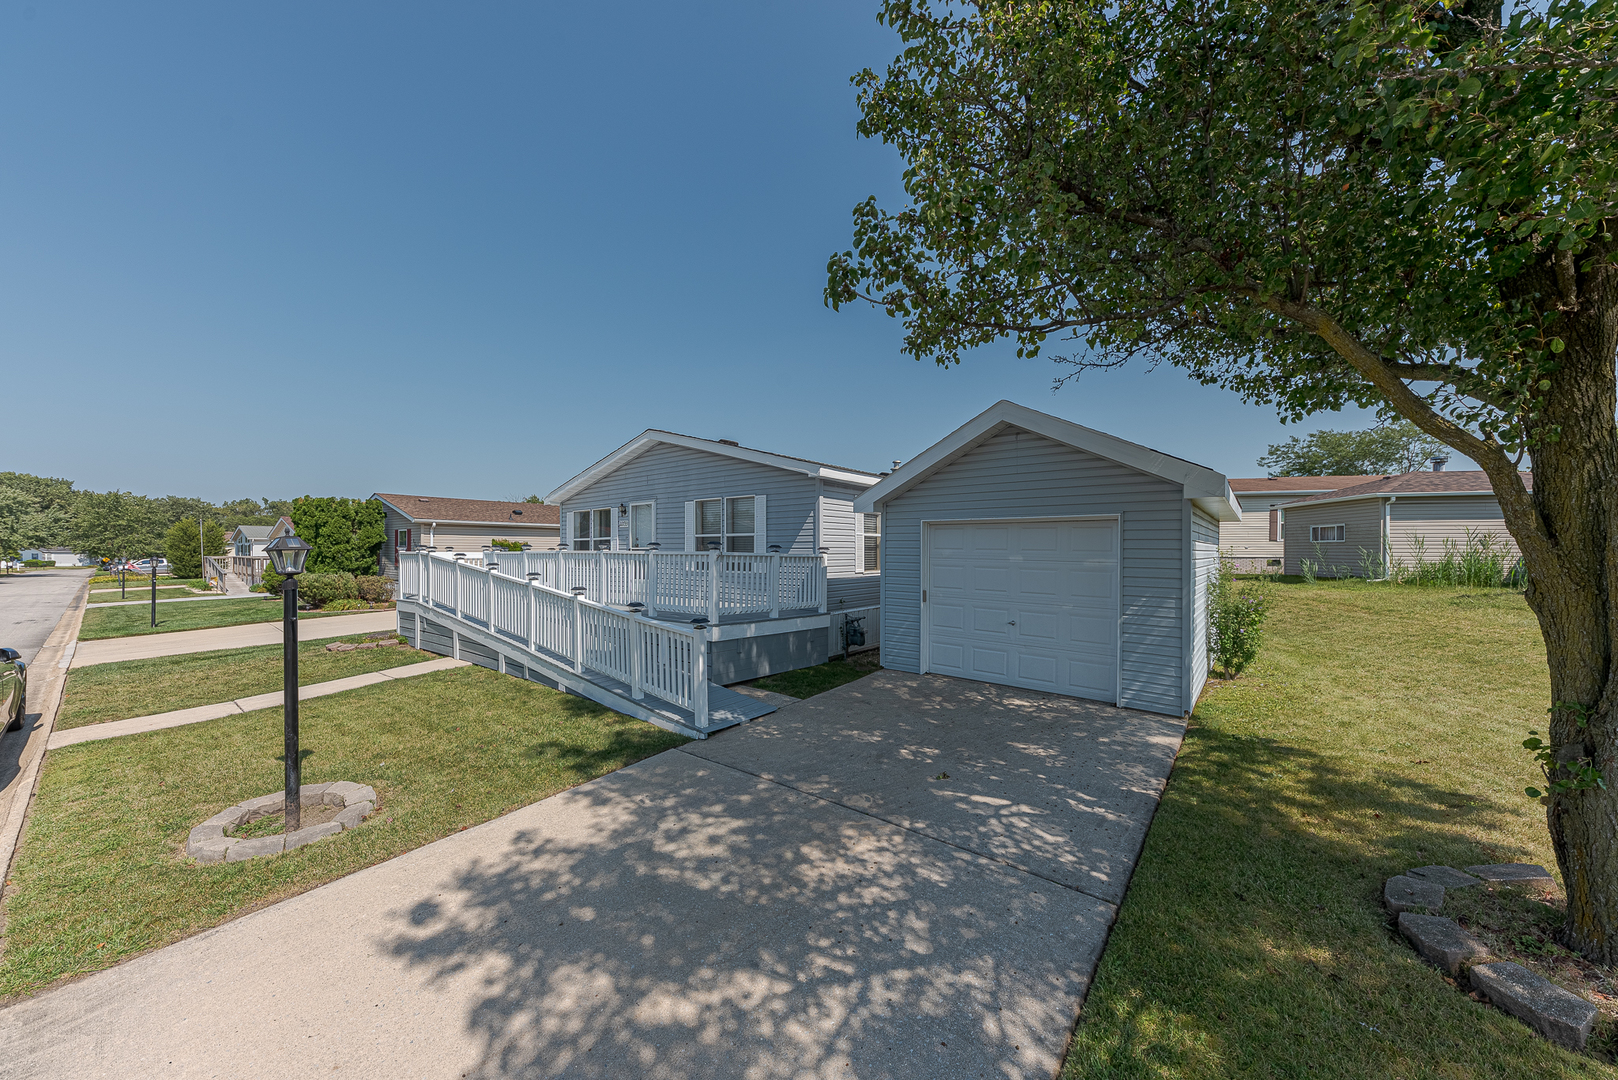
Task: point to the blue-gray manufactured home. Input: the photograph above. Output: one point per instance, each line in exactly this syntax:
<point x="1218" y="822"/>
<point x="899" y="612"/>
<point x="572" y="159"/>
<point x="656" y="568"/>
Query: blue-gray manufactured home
<point x="668" y="492"/>
<point x="1026" y="550"/>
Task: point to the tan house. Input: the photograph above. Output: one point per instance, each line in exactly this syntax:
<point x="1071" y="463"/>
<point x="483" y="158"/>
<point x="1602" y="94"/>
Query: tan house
<point x="1255" y="541"/>
<point x="415" y="522"/>
<point x="1362" y="530"/>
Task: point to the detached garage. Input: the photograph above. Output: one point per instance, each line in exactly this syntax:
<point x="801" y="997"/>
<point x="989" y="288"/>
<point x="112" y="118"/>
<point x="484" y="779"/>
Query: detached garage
<point x="1029" y="551"/>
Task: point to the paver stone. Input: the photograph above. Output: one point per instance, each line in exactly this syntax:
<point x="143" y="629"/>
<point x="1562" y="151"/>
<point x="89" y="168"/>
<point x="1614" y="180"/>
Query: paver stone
<point x="1441" y="941"/>
<point x="354" y="813"/>
<point x="1560" y="1015"/>
<point x="1405" y="893"/>
<point x="252" y="849"/>
<point x="1447" y="876"/>
<point x="313" y="833"/>
<point x="1511" y="872"/>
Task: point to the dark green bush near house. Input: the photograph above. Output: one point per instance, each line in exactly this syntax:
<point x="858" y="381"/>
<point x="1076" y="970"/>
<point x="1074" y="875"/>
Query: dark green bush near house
<point x="1236" y="617"/>
<point x="377" y="590"/>
<point x="271" y="581"/>
<point x="346" y="605"/>
<point x="505" y="545"/>
<point x="38" y="562"/>
<point x="319" y="590"/>
<point x="344" y="535"/>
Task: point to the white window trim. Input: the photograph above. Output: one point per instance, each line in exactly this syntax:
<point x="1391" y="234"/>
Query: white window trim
<point x="629" y="533"/>
<point x="1314" y="534"/>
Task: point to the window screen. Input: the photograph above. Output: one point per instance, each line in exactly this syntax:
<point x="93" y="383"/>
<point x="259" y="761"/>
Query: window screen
<point x="739" y="524"/>
<point x="1325" y="534"/>
<point x="592" y="530"/>
<point x="710" y="523"/>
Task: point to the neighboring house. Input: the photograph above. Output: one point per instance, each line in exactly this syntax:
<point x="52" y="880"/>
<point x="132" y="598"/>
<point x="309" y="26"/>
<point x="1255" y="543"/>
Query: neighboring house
<point x="1026" y="550"/>
<point x="686" y="494"/>
<point x="31" y="555"/>
<point x="1361" y="531"/>
<point x="1255" y="541"/>
<point x="249" y="541"/>
<point x="61" y="556"/>
<point x="415" y="522"/>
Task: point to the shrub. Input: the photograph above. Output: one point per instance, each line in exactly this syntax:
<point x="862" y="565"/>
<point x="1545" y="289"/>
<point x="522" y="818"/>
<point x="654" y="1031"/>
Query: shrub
<point x="271" y="581"/>
<point x="319" y="590"/>
<point x="377" y="590"/>
<point x="505" y="545"/>
<point x="39" y="562"/>
<point x="1235" y="620"/>
<point x="182" y="547"/>
<point x="346" y="605"/>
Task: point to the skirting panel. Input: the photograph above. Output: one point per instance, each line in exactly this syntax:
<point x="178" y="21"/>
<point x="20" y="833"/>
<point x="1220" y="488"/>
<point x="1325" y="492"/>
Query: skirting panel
<point x="436" y="637"/>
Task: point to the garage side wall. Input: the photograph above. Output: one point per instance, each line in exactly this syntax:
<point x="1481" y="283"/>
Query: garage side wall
<point x="1362" y="537"/>
<point x="1204" y="566"/>
<point x="1018" y="474"/>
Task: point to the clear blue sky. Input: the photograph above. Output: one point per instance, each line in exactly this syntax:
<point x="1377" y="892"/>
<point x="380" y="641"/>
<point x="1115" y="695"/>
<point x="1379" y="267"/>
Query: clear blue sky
<point x="467" y="249"/>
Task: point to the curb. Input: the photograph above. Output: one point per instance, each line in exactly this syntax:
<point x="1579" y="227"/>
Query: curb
<point x="53" y="660"/>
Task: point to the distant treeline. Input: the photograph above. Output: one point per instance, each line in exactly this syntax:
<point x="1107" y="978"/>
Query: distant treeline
<point x="42" y="511"/>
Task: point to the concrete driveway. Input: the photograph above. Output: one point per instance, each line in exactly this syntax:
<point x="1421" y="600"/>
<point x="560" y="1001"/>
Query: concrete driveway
<point x="32" y="603"/>
<point x="905" y="877"/>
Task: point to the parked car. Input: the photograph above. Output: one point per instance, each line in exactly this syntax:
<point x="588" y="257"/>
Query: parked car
<point x="13" y="688"/>
<point x="145" y="567"/>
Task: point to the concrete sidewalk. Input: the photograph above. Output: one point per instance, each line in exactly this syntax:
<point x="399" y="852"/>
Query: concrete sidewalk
<point x="145" y="646"/>
<point x="112" y="729"/>
<point x="687" y="917"/>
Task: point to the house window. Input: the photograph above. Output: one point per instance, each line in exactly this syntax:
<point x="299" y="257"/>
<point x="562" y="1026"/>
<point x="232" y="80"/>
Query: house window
<point x="871" y="544"/>
<point x="642" y="524"/>
<point x="1325" y="534"/>
<point x="739" y="533"/>
<point x="710" y="523"/>
<point x="592" y="530"/>
<point x="401" y="540"/>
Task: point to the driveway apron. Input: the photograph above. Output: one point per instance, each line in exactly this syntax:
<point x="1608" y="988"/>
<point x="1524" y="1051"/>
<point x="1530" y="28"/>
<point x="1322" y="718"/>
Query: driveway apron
<point x="909" y="876"/>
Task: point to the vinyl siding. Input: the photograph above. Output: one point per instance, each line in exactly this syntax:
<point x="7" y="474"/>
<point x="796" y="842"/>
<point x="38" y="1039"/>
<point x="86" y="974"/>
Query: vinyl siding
<point x="674" y="475"/>
<point x="1018" y="474"/>
<point x="1362" y="533"/>
<point x="840" y="532"/>
<point x="1205" y="536"/>
<point x="1435" y="520"/>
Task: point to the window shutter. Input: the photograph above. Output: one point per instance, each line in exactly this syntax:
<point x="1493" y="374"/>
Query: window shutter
<point x="1275" y="525"/>
<point x="761" y="535"/>
<point x="691" y="525"/>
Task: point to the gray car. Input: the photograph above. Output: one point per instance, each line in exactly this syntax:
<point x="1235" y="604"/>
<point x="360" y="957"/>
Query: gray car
<point x="13" y="688"/>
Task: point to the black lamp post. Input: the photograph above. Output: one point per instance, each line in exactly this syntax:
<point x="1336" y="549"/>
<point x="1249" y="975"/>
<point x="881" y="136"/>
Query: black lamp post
<point x="288" y="554"/>
<point x="154" y="590"/>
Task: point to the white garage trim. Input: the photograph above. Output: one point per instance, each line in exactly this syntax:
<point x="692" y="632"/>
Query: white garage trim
<point x="1117" y="521"/>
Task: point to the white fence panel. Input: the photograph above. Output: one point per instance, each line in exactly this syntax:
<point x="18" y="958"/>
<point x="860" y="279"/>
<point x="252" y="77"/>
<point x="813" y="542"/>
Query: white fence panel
<point x="509" y="616"/>
<point x="472" y="598"/>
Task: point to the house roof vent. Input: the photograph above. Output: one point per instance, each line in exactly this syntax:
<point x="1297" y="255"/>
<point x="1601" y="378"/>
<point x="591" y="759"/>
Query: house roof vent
<point x="1439" y="461"/>
<point x="728" y="442"/>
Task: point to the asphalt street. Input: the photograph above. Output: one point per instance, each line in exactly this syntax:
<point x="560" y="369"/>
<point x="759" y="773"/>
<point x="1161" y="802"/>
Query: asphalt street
<point x="31" y="604"/>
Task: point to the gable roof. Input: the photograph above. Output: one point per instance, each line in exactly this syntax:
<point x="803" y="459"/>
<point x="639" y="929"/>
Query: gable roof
<point x="1204" y="487"/>
<point x="263" y="532"/>
<point x="1461" y="482"/>
<point x="471" y="511"/>
<point x="1263" y="485"/>
<point x="651" y="437"/>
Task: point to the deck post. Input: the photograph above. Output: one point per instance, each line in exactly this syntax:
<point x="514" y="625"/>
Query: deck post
<point x="651" y="584"/>
<point x="637" y="645"/>
<point x="699" y="677"/>
<point x="775" y="586"/>
<point x="713" y="587"/>
<point x="578" y="631"/>
<point x="820" y="573"/>
<point x="532" y="600"/>
<point x="456" y="564"/>
<point x="602" y="592"/>
<point x="488" y="574"/>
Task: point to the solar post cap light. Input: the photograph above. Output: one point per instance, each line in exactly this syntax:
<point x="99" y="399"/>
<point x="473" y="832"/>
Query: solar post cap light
<point x="288" y="555"/>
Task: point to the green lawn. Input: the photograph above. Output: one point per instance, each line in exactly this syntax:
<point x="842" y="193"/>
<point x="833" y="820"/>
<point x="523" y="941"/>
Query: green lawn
<point x="807" y="682"/>
<point x="101" y="874"/>
<point x="142" y="687"/>
<point x="1380" y="731"/>
<point x="139" y="594"/>
<point x="133" y="582"/>
<point x="128" y="621"/>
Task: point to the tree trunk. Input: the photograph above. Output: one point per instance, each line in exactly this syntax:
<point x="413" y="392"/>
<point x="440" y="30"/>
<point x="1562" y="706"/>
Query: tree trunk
<point x="1572" y="567"/>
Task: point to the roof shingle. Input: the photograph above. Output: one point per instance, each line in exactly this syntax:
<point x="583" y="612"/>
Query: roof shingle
<point x="434" y="508"/>
<point x="1418" y="483"/>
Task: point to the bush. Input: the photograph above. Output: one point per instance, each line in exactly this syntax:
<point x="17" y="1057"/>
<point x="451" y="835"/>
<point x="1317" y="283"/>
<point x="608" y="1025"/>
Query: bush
<point x="319" y="590"/>
<point x="506" y="545"/>
<point x="1235" y="620"/>
<point x="378" y="590"/>
<point x="39" y="562"/>
<point x="271" y="581"/>
<point x="347" y="605"/>
<point x="181" y="546"/>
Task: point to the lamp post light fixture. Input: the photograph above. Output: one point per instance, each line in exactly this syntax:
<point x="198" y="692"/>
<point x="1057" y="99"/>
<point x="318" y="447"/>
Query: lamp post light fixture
<point x="288" y="554"/>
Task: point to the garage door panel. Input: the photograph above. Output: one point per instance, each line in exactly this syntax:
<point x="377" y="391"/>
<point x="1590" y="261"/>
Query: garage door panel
<point x="1029" y="604"/>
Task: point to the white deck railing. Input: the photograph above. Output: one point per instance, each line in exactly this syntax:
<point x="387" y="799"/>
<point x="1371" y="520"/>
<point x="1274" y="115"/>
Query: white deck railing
<point x="714" y="584"/>
<point x="569" y="629"/>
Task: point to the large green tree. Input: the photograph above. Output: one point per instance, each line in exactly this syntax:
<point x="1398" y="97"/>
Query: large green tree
<point x="1315" y="204"/>
<point x="1399" y="447"/>
<point x="345" y="534"/>
<point x="117" y="524"/>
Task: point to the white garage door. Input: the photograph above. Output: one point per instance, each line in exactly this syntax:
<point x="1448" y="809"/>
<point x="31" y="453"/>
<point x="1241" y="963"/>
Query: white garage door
<point x="1025" y="603"/>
